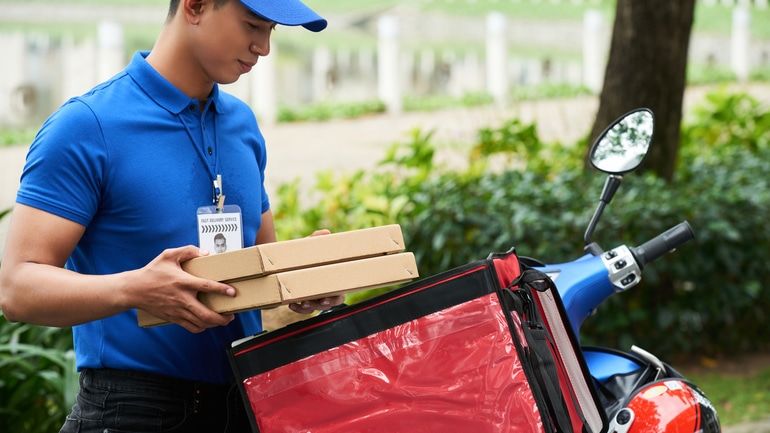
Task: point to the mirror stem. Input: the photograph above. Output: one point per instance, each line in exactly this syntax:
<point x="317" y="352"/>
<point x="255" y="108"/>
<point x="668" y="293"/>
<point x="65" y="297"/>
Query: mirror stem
<point x="611" y="186"/>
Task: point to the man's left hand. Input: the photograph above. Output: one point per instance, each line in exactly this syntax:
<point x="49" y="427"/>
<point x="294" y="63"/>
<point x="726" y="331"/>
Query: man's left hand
<point x="307" y="307"/>
<point x="312" y="305"/>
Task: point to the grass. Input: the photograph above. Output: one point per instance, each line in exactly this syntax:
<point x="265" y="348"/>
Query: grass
<point x="741" y="393"/>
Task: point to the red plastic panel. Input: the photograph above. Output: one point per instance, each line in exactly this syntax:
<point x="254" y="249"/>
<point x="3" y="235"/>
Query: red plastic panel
<point x="452" y="371"/>
<point x="507" y="269"/>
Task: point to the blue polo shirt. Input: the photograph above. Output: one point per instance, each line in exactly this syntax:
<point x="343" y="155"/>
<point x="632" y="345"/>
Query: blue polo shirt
<point x="132" y="161"/>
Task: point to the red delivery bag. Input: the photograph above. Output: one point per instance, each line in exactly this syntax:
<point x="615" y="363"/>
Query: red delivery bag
<point x="481" y="348"/>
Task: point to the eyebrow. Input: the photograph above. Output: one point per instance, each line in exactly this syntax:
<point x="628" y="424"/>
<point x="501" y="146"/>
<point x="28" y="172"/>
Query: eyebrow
<point x="259" y="17"/>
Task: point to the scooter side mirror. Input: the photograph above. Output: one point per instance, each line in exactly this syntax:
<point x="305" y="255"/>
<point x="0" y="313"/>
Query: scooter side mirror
<point x="619" y="149"/>
<point x="624" y="144"/>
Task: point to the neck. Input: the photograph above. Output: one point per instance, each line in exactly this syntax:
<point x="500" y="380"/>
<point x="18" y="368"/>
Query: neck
<point x="173" y="58"/>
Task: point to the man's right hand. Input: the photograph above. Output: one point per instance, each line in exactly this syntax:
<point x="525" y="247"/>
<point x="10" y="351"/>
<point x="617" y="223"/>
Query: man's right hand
<point x="34" y="287"/>
<point x="166" y="291"/>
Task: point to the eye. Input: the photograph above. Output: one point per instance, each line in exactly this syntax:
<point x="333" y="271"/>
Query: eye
<point x="260" y="25"/>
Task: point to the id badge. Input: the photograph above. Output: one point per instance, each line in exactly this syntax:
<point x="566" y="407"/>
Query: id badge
<point x="219" y="232"/>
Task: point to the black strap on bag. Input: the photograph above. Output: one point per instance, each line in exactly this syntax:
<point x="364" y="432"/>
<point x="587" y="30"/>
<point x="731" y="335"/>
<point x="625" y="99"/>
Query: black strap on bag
<point x="519" y="302"/>
<point x="540" y="355"/>
<point x="541" y="358"/>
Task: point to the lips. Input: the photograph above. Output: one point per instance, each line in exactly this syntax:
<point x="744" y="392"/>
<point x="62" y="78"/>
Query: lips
<point x="246" y="67"/>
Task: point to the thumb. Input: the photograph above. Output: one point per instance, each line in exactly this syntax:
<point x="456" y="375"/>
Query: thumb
<point x="321" y="232"/>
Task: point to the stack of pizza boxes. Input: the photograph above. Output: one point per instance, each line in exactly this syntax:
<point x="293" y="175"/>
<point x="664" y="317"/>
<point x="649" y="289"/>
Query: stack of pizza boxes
<point x="269" y="275"/>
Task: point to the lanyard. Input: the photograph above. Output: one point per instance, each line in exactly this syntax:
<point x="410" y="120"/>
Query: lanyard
<point x="217" y="197"/>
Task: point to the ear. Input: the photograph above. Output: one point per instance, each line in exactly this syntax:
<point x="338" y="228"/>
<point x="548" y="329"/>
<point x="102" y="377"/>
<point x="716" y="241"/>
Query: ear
<point x="193" y="9"/>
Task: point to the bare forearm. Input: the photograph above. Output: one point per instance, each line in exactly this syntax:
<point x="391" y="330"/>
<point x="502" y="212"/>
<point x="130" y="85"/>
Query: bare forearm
<point x="51" y="296"/>
<point x="34" y="287"/>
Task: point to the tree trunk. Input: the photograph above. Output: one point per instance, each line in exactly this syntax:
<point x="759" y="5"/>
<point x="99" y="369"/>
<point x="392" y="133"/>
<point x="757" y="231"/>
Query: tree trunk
<point x="647" y="67"/>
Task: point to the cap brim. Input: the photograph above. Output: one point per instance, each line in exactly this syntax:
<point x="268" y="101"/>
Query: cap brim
<point x="287" y="13"/>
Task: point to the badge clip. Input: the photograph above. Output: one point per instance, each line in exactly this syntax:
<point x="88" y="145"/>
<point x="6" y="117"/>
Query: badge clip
<point x="218" y="197"/>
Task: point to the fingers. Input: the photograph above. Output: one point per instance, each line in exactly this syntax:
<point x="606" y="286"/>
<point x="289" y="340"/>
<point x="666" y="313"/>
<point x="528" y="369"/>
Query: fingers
<point x="185" y="253"/>
<point x="195" y="317"/>
<point x="301" y="308"/>
<point x="201" y="318"/>
<point x="190" y="327"/>
<point x="210" y="286"/>
<point x="198" y="315"/>
<point x="321" y="232"/>
<point x="309" y="306"/>
<point x="336" y="300"/>
<point x="196" y="327"/>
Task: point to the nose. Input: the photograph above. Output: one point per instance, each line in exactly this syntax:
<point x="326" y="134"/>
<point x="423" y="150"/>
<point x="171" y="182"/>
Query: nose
<point x="260" y="45"/>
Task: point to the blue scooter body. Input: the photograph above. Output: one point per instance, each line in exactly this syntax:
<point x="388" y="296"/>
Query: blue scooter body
<point x="583" y="285"/>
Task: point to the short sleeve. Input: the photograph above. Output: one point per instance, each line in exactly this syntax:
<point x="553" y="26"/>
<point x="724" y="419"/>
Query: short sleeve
<point x="65" y="166"/>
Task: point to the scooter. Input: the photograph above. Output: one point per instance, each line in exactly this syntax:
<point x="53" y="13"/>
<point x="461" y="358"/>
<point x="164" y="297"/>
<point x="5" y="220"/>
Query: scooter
<point x="640" y="393"/>
<point x="482" y="347"/>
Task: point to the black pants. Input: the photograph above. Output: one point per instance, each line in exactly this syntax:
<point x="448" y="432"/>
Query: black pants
<point x="127" y="401"/>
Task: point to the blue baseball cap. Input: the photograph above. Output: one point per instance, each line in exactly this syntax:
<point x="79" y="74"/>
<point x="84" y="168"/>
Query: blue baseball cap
<point x="287" y="13"/>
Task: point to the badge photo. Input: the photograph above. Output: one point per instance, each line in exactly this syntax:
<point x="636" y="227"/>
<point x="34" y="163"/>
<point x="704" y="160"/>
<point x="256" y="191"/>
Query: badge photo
<point x="219" y="232"/>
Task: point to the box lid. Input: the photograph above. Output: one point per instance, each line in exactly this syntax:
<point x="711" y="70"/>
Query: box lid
<point x="298" y="253"/>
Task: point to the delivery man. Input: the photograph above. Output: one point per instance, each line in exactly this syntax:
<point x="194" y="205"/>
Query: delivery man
<point x="106" y="212"/>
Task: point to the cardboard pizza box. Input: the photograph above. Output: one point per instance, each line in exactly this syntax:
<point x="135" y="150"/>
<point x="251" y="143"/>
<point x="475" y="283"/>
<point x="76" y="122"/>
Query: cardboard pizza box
<point x="307" y="283"/>
<point x="293" y="254"/>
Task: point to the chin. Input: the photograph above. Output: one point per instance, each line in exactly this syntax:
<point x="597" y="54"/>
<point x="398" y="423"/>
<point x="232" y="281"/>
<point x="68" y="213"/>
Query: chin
<point x="228" y="79"/>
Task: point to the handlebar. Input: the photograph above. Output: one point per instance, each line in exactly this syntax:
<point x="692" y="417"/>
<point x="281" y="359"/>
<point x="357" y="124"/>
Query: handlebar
<point x="663" y="243"/>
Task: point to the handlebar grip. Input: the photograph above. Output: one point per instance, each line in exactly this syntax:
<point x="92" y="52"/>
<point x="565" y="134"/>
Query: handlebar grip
<point x="663" y="243"/>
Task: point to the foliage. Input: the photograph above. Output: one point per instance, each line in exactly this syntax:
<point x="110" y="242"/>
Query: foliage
<point x="38" y="381"/>
<point x="438" y="102"/>
<point x="517" y="190"/>
<point x="15" y="136"/>
<point x="701" y="75"/>
<point x="330" y="110"/>
<point x="762" y="74"/>
<point x="549" y="90"/>
<point x="348" y="110"/>
<point x="724" y="123"/>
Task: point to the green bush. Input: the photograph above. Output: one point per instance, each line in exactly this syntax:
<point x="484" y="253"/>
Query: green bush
<point x="705" y="74"/>
<point x="38" y="382"/>
<point x="438" y="102"/>
<point x="15" y="136"/>
<point x="349" y="110"/>
<point x="706" y="299"/>
<point x="330" y="110"/>
<point x="549" y="90"/>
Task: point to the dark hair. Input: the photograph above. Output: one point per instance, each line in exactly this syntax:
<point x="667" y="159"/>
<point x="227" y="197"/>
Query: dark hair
<point x="220" y="236"/>
<point x="173" y="5"/>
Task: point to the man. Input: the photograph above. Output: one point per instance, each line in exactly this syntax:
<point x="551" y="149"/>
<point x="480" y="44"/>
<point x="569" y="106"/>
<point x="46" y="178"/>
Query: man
<point x="220" y="243"/>
<point x="106" y="210"/>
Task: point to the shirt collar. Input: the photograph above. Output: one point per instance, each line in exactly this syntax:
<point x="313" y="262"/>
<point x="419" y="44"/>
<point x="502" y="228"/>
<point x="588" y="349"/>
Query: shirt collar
<point x="161" y="90"/>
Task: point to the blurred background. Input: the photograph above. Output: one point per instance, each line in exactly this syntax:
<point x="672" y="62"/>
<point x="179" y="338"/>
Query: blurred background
<point x="467" y="122"/>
